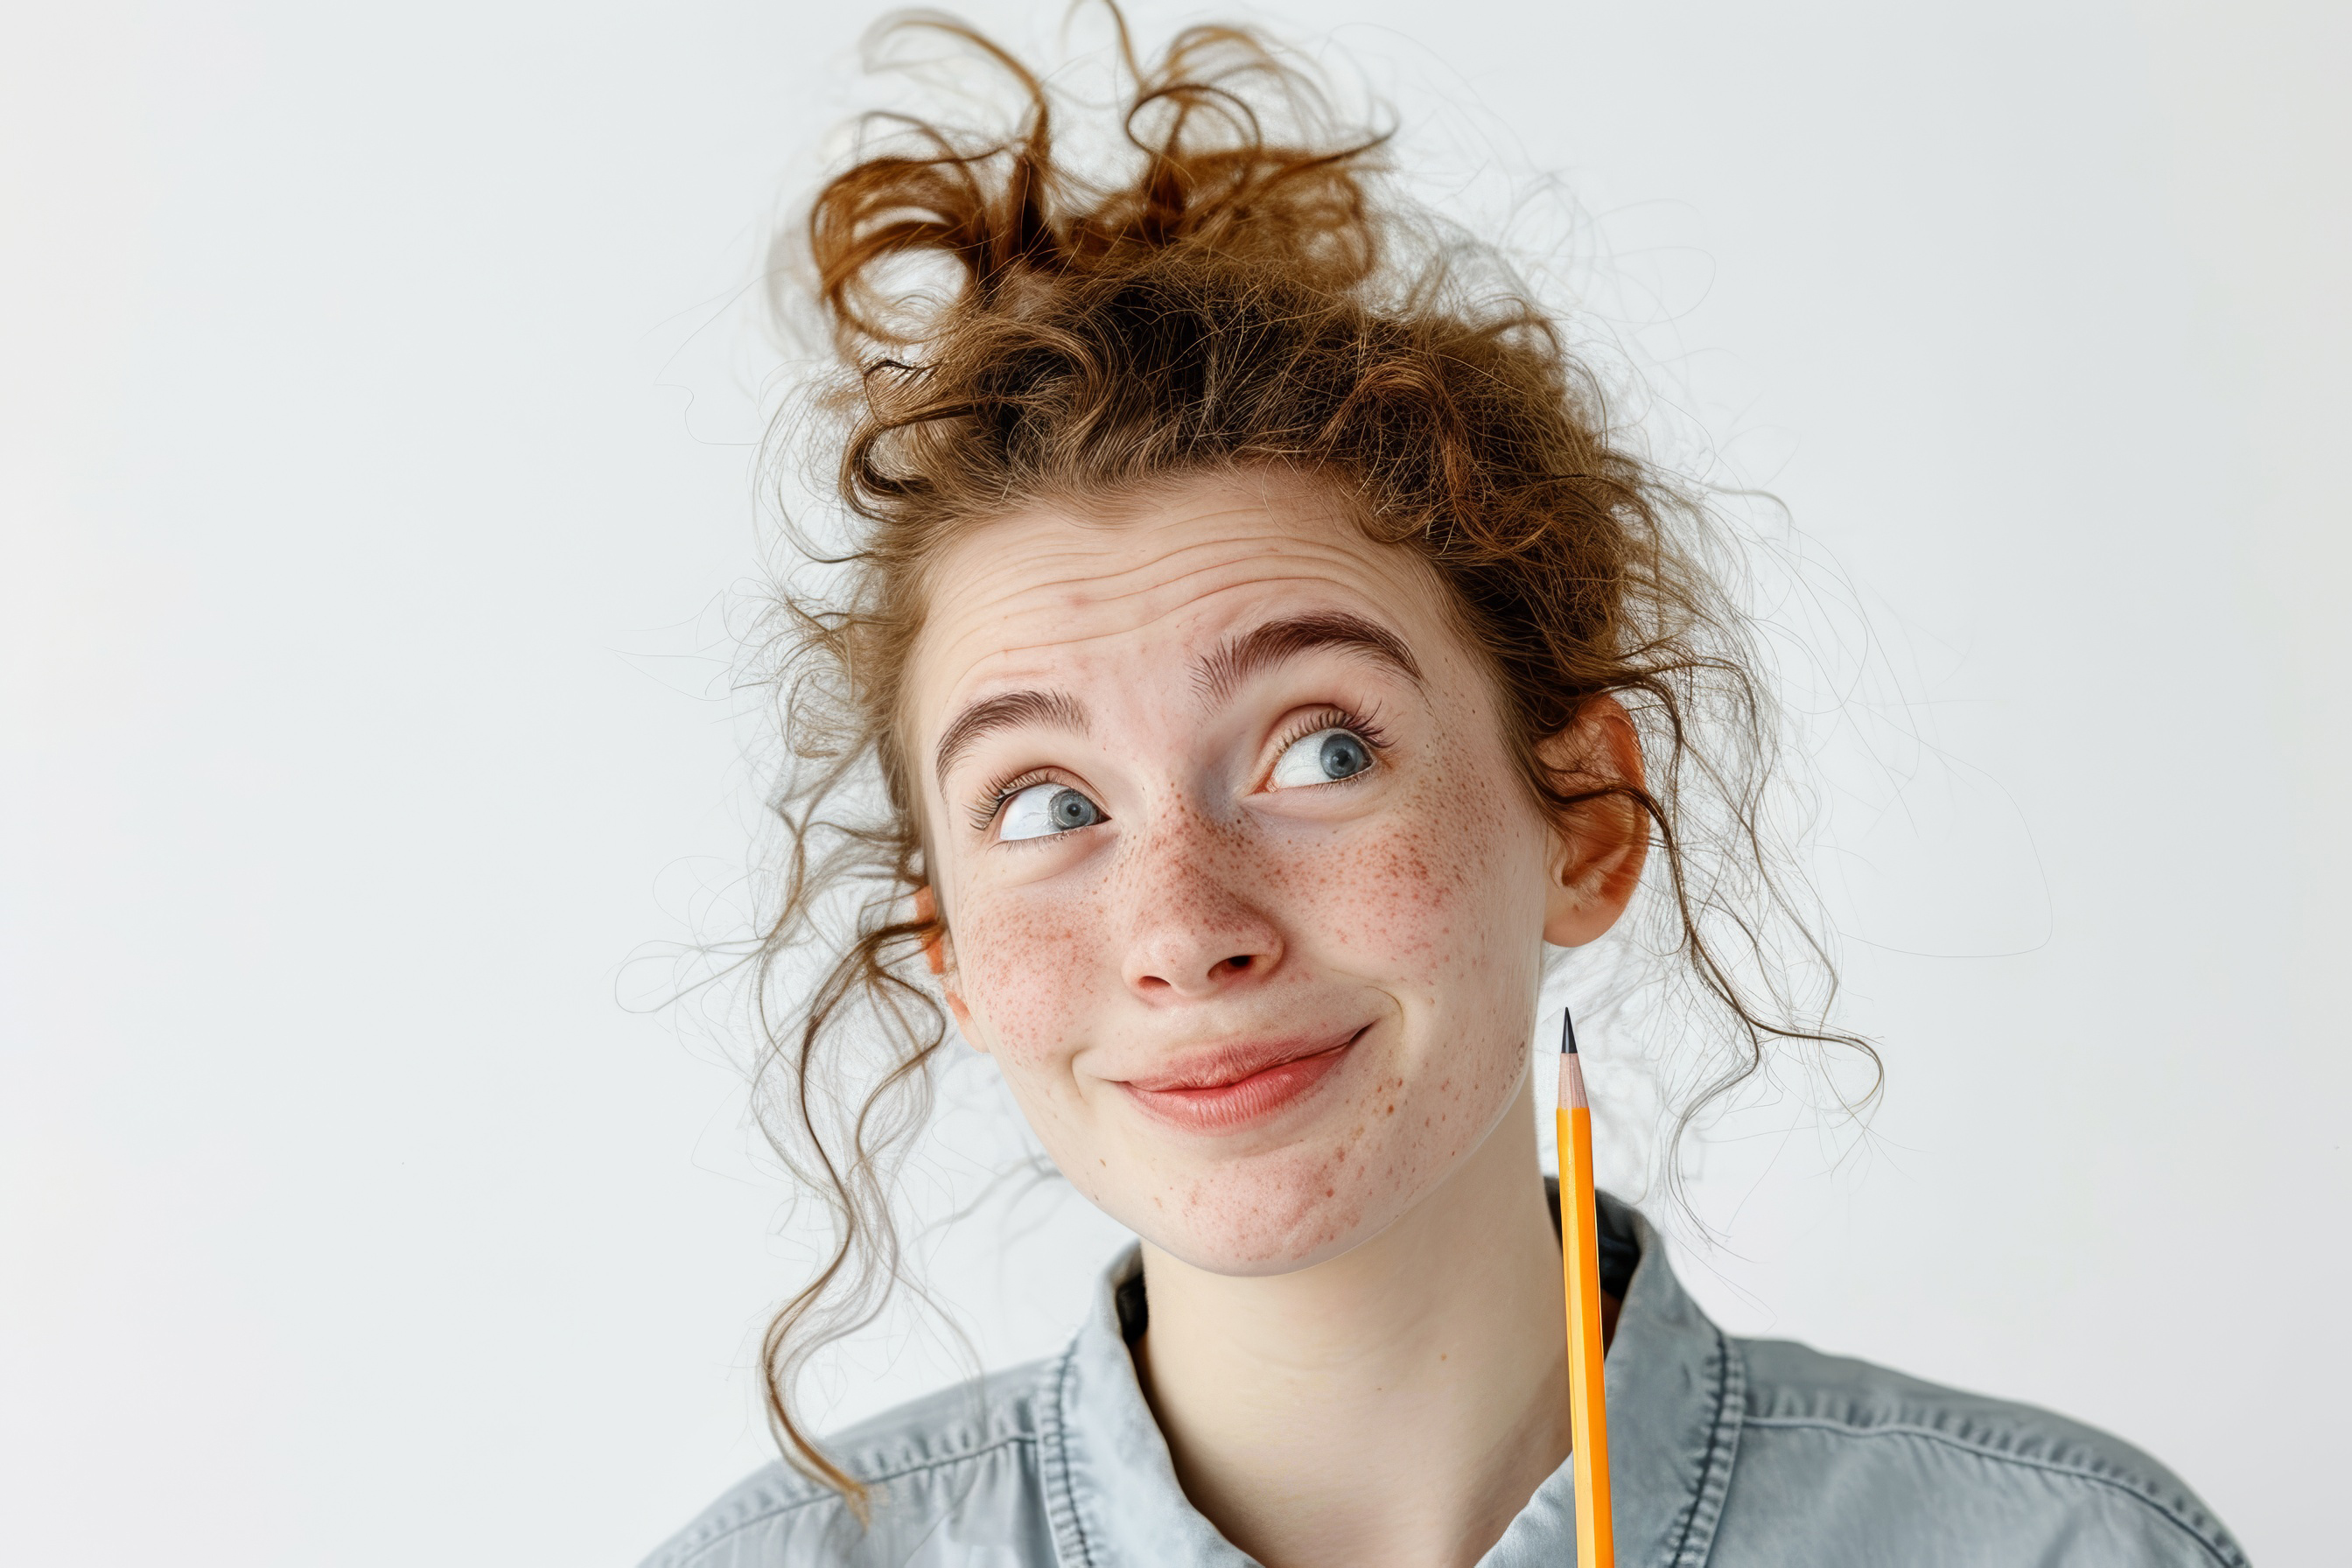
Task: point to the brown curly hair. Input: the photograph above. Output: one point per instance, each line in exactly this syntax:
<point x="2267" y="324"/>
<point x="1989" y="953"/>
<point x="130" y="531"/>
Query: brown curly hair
<point x="1234" y="300"/>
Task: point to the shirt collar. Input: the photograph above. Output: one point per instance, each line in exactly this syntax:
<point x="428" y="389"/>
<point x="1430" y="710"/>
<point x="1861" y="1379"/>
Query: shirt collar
<point x="1675" y="1394"/>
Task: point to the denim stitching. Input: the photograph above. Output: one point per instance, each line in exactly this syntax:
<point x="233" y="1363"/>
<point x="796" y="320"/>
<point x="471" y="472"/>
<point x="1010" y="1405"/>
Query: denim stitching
<point x="1707" y="1479"/>
<point x="1062" y="1498"/>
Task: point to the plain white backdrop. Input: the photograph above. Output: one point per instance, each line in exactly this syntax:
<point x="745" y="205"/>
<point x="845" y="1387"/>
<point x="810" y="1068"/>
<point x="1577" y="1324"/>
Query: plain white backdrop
<point x="376" y="401"/>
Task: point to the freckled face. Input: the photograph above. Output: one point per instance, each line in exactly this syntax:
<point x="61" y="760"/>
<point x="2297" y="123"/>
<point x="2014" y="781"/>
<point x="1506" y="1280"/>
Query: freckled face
<point x="1243" y="892"/>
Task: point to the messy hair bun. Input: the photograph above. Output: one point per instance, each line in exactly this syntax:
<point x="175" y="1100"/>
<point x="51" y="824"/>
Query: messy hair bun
<point x="1232" y="299"/>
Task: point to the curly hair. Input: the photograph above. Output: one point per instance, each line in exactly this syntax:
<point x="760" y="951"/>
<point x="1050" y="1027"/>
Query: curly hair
<point x="1231" y="301"/>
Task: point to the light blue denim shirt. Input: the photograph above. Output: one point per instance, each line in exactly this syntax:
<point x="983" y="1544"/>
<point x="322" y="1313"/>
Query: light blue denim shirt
<point x="1725" y="1452"/>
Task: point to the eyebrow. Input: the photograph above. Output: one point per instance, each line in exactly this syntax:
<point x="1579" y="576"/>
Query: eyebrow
<point x="1057" y="708"/>
<point x="1220" y="674"/>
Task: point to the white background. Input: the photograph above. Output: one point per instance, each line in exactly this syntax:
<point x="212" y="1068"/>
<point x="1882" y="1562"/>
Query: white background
<point x="374" y="423"/>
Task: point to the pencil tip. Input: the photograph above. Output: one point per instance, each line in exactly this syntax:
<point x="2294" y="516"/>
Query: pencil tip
<point x="1567" y="1034"/>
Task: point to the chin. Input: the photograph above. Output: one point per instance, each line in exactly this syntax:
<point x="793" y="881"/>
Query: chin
<point x="1273" y="1214"/>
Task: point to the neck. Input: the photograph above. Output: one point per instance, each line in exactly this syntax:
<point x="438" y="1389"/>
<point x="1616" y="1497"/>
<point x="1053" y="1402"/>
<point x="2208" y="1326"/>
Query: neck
<point x="1396" y="1405"/>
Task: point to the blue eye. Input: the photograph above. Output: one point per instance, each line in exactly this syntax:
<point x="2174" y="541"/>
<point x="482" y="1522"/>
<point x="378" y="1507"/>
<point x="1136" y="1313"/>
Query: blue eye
<point x="1046" y="808"/>
<point x="1325" y="757"/>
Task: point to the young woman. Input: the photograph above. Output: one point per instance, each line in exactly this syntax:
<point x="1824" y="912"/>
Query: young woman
<point x="1256" y="655"/>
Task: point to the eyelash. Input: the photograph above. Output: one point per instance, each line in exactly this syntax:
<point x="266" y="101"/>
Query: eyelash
<point x="1362" y="727"/>
<point x="991" y="802"/>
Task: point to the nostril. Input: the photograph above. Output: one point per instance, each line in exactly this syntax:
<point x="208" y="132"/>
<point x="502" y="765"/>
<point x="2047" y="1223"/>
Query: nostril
<point x="1237" y="963"/>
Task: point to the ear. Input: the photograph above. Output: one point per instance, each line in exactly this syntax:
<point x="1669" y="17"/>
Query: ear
<point x="935" y="959"/>
<point x="926" y="909"/>
<point x="1598" y="846"/>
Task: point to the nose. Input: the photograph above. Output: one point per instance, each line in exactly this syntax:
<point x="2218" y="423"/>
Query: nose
<point x="1195" y="931"/>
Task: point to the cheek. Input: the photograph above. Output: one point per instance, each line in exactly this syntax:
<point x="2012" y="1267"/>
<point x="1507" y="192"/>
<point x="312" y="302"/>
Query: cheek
<point x="1433" y="894"/>
<point x="1025" y="969"/>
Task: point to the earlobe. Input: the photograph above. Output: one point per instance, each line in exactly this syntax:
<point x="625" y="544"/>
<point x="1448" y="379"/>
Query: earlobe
<point x="963" y="1021"/>
<point x="1598" y="851"/>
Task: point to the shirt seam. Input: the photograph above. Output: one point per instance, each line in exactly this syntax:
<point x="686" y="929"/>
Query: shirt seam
<point x="797" y="1504"/>
<point x="1714" y="1478"/>
<point x="2055" y="1467"/>
<point x="1053" y="1467"/>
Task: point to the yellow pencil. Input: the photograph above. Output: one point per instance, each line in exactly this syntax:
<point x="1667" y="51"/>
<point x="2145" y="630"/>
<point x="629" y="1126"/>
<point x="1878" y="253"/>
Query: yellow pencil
<point x="1579" y="1251"/>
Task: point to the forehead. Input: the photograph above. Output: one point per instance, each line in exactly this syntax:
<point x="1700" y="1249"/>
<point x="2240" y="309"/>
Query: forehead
<point x="1056" y="590"/>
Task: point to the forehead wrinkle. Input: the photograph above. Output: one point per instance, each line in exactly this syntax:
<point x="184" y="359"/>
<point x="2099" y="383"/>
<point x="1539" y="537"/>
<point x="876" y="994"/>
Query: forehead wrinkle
<point x="1009" y="649"/>
<point x="1231" y="553"/>
<point x="1097" y="538"/>
<point x="1247" y="565"/>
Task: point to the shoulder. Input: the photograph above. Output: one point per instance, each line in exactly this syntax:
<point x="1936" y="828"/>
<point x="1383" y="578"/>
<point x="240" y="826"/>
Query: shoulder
<point x="961" y="1452"/>
<point x="1888" y="1464"/>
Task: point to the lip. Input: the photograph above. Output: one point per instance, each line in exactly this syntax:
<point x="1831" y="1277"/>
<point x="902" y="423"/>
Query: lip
<point x="1238" y="1085"/>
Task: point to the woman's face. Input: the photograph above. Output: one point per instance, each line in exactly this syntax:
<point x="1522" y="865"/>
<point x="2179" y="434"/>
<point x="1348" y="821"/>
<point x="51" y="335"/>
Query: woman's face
<point x="1244" y="893"/>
